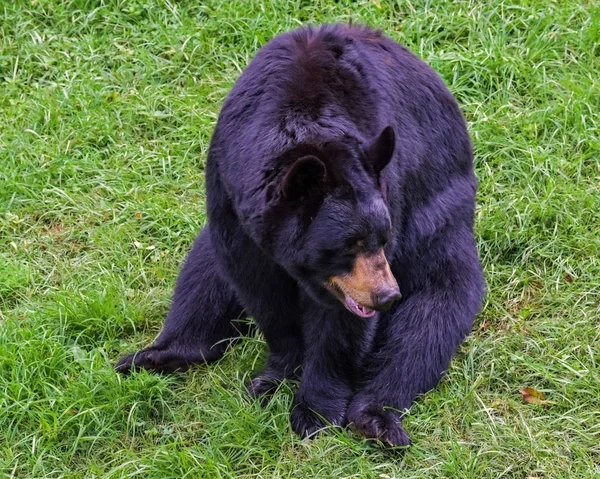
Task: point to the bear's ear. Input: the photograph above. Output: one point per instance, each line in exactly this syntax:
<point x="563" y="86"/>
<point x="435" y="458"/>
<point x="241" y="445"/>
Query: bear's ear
<point x="380" y="151"/>
<point x="304" y="177"/>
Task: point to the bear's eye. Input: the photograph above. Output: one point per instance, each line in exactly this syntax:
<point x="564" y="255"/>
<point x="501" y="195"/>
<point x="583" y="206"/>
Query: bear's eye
<point x="354" y="246"/>
<point x="383" y="240"/>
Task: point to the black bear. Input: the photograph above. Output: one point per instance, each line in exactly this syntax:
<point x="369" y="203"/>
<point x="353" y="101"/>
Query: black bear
<point x="341" y="199"/>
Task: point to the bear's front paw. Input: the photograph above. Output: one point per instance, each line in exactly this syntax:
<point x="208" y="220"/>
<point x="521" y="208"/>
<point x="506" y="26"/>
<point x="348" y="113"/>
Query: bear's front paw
<point x="161" y="360"/>
<point x="375" y="422"/>
<point x="309" y="421"/>
<point x="262" y="387"/>
<point x="145" y="359"/>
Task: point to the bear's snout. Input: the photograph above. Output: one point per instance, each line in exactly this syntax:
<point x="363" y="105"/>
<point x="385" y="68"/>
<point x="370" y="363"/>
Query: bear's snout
<point x="384" y="299"/>
<point x="370" y="283"/>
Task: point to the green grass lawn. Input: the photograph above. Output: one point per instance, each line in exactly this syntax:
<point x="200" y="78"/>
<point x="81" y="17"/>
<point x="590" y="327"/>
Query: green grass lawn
<point x="106" y="111"/>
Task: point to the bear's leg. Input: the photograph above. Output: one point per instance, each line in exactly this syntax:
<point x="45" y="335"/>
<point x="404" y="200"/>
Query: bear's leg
<point x="269" y="295"/>
<point x="335" y="341"/>
<point x="285" y="356"/>
<point x="271" y="299"/>
<point x="203" y="316"/>
<point x="414" y="345"/>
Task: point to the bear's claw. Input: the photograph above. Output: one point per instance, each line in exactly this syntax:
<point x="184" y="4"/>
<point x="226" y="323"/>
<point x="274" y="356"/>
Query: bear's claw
<point x="375" y="422"/>
<point x="262" y="387"/>
<point x="308" y="423"/>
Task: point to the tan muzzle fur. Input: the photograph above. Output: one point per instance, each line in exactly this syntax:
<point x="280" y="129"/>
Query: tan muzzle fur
<point x="370" y="276"/>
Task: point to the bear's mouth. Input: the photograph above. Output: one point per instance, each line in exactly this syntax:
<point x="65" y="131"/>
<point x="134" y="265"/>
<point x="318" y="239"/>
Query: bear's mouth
<point x="350" y="303"/>
<point x="357" y="308"/>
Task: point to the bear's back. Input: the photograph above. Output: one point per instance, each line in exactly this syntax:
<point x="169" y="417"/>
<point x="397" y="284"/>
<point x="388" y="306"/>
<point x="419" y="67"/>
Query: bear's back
<point x="318" y="84"/>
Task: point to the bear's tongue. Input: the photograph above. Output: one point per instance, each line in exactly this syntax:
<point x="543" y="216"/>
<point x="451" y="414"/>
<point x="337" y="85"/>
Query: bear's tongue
<point x="358" y="309"/>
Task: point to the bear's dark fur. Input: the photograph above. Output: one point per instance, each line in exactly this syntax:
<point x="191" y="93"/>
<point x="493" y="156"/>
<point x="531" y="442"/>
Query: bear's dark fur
<point x="339" y="176"/>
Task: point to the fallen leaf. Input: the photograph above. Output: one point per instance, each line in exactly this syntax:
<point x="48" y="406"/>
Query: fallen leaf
<point x="533" y="396"/>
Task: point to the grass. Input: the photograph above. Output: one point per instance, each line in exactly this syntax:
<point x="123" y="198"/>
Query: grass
<point x="106" y="111"/>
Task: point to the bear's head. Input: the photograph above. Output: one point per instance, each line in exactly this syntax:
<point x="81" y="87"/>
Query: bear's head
<point x="329" y="223"/>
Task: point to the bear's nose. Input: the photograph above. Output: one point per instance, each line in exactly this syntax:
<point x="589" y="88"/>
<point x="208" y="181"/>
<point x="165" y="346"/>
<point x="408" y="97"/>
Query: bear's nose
<point x="383" y="300"/>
